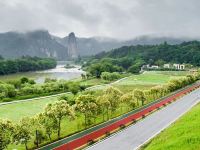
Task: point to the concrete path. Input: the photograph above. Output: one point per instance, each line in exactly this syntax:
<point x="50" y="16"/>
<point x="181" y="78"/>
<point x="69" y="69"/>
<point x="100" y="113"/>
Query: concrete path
<point x="136" y="135"/>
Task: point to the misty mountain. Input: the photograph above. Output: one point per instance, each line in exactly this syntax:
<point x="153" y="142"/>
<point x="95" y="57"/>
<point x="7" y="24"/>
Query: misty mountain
<point x="91" y="46"/>
<point x="94" y="45"/>
<point x="37" y="43"/>
<point x="41" y="43"/>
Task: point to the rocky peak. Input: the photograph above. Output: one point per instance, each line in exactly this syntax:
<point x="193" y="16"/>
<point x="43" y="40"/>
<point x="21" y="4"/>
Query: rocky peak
<point x="72" y="46"/>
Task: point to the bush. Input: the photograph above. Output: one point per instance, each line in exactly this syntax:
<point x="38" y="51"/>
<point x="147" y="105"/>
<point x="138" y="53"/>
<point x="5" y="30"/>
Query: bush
<point x="110" y="76"/>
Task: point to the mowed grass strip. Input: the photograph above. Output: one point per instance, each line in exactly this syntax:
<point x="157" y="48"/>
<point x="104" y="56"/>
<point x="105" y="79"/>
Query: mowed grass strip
<point x="16" y="111"/>
<point x="152" y="78"/>
<point x="184" y="134"/>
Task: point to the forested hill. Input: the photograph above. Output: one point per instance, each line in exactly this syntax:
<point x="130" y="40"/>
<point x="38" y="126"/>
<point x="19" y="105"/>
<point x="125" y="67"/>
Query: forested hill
<point x="186" y="52"/>
<point x="131" y="58"/>
<point x="25" y="64"/>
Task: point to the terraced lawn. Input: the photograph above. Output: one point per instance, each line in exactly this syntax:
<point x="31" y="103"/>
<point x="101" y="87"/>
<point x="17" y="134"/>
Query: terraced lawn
<point x="184" y="134"/>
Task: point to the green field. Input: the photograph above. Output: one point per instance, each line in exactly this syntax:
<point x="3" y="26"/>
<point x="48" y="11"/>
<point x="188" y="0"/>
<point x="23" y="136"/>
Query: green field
<point x="184" y="134"/>
<point x="16" y="111"/>
<point x="143" y="81"/>
<point x="29" y="108"/>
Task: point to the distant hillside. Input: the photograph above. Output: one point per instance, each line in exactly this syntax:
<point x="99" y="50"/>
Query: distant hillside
<point x="41" y="43"/>
<point x="37" y="43"/>
<point x="131" y="58"/>
<point x="186" y="52"/>
<point x="92" y="46"/>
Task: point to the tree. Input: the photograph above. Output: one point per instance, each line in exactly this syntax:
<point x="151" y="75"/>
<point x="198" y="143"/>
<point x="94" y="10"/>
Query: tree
<point x="160" y="62"/>
<point x="86" y="104"/>
<point x="57" y="112"/>
<point x="22" y="132"/>
<point x="49" y="125"/>
<point x="68" y="98"/>
<point x="96" y="70"/>
<point x="139" y="95"/>
<point x="24" y="80"/>
<point x="110" y="76"/>
<point x="6" y="130"/>
<point x="38" y="128"/>
<point x="74" y="88"/>
<point x="128" y="99"/>
<point x="104" y="105"/>
<point x="83" y="76"/>
<point x="134" y="68"/>
<point x="113" y="96"/>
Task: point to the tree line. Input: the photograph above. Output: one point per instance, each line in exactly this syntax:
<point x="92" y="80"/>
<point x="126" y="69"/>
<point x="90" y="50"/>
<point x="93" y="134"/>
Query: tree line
<point x="27" y="88"/>
<point x="131" y="58"/>
<point x="25" y="63"/>
<point x="47" y="125"/>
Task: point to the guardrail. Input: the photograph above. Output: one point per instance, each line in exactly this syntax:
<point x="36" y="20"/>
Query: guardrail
<point x="93" y="134"/>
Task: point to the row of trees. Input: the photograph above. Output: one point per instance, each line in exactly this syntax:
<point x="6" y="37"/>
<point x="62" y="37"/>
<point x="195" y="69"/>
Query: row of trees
<point x="26" y="63"/>
<point x="96" y="67"/>
<point x="43" y="126"/>
<point x="27" y="87"/>
<point x="110" y="76"/>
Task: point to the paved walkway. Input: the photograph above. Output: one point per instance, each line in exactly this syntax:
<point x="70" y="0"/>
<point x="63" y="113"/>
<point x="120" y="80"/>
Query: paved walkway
<point x="136" y="135"/>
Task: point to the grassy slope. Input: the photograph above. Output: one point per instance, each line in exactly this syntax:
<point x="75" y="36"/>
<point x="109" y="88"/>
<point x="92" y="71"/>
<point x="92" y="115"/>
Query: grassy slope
<point x="147" y="80"/>
<point x="184" y="134"/>
<point x="17" y="110"/>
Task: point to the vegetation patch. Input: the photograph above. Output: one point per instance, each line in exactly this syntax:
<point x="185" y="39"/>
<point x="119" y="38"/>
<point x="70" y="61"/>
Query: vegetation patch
<point x="183" y="134"/>
<point x="71" y="114"/>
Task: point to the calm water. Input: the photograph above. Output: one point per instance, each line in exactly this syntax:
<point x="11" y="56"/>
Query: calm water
<point x="57" y="73"/>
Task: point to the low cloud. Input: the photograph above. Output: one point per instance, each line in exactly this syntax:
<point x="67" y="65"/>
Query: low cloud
<point x="122" y="19"/>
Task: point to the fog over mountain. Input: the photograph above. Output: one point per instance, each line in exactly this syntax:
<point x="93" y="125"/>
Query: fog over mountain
<point x="119" y="19"/>
<point x="41" y="43"/>
<point x="98" y="25"/>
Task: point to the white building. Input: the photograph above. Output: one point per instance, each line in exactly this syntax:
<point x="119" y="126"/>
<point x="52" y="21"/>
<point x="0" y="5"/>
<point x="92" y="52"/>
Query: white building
<point x="179" y="66"/>
<point x="154" y="67"/>
<point x="166" y="65"/>
<point x="149" y="67"/>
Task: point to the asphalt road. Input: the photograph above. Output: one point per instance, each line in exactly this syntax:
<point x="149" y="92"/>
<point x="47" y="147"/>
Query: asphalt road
<point x="136" y="135"/>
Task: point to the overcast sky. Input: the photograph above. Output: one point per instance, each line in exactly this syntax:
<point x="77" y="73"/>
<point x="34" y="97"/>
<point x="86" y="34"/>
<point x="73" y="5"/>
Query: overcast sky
<point x="122" y="19"/>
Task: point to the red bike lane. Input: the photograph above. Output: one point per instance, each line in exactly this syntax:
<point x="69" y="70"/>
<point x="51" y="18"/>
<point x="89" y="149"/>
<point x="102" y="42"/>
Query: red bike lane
<point x="86" y="139"/>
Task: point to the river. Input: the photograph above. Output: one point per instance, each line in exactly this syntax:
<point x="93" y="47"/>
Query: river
<point x="56" y="73"/>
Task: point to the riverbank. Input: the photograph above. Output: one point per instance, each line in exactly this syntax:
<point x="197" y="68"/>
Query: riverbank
<point x="59" y="72"/>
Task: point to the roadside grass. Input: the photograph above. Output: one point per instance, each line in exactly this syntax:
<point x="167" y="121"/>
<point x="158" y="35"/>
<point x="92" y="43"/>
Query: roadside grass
<point x="128" y="88"/>
<point x="184" y="134"/>
<point x="69" y="127"/>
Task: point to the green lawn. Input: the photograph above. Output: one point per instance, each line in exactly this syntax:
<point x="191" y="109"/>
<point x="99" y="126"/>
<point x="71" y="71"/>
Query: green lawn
<point x="16" y="111"/>
<point x="143" y="81"/>
<point x="184" y="134"/>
